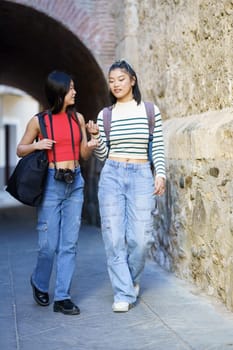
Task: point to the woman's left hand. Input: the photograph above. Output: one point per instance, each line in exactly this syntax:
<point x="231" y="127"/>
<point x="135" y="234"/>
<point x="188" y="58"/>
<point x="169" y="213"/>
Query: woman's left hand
<point x="92" y="144"/>
<point x="92" y="127"/>
<point x="160" y="185"/>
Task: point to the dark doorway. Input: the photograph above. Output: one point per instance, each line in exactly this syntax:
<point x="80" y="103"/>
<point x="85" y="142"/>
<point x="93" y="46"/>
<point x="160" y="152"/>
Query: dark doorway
<point x="10" y="150"/>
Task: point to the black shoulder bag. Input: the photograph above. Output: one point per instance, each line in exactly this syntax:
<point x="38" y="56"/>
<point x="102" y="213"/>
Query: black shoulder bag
<point x="27" y="181"/>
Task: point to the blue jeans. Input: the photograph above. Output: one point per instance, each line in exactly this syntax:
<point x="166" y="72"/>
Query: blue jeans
<point x="59" y="218"/>
<point x="126" y="202"/>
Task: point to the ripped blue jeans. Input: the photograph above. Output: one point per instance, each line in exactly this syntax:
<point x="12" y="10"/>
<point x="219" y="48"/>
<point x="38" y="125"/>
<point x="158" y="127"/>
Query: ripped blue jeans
<point x="59" y="218"/>
<point x="126" y="202"/>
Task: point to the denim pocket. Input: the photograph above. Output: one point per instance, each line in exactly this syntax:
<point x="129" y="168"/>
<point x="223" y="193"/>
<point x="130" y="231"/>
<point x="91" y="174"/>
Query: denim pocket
<point x="145" y="172"/>
<point x="42" y="229"/>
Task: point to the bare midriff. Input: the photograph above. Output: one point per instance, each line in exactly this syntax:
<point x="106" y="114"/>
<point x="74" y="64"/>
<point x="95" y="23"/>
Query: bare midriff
<point x="128" y="160"/>
<point x="68" y="164"/>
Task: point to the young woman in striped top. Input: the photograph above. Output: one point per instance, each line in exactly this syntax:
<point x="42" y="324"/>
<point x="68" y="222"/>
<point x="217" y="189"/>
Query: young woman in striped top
<point x="127" y="188"/>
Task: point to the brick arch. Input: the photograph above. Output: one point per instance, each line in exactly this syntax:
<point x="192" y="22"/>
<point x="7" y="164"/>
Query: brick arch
<point x="38" y="36"/>
<point x="90" y="20"/>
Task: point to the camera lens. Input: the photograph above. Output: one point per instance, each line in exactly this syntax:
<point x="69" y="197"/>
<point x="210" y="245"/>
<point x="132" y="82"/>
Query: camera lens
<point x="69" y="177"/>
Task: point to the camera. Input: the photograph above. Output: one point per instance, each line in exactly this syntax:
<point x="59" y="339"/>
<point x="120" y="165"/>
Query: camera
<point x="66" y="175"/>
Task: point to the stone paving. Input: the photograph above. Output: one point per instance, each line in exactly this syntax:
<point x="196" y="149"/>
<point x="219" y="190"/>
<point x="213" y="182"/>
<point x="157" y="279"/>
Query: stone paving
<point x="170" y="314"/>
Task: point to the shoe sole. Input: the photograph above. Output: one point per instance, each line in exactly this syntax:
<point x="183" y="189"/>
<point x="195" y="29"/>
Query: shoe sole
<point x="120" y="310"/>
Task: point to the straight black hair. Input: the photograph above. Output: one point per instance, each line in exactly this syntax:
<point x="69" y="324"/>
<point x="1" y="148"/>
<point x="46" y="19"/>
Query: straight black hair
<point x="130" y="71"/>
<point x="57" y="86"/>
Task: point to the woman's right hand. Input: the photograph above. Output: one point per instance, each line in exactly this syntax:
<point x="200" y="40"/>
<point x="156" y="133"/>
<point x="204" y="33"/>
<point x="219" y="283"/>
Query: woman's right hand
<point x="45" y="144"/>
<point x="27" y="144"/>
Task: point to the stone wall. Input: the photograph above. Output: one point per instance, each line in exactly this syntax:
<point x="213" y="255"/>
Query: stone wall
<point x="182" y="51"/>
<point x="194" y="228"/>
<point x="187" y="47"/>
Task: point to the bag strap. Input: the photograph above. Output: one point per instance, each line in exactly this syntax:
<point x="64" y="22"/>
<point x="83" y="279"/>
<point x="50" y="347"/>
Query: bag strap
<point x="150" y="111"/>
<point x="52" y="134"/>
<point x="107" y="117"/>
<point x="42" y="124"/>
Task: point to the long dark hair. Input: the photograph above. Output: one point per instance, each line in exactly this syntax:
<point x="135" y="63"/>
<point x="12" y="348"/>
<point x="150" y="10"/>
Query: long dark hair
<point x="130" y="71"/>
<point x="57" y="86"/>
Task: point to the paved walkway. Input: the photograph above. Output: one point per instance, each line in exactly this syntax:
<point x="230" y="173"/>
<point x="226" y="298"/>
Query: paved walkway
<point x="7" y="201"/>
<point x="170" y="314"/>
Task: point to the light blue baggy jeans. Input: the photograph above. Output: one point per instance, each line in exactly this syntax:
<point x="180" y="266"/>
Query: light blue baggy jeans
<point x="126" y="202"/>
<point x="59" y="218"/>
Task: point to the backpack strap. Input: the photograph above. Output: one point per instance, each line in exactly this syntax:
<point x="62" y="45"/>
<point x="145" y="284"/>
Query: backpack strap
<point x="150" y="111"/>
<point x="151" y="122"/>
<point x="107" y="117"/>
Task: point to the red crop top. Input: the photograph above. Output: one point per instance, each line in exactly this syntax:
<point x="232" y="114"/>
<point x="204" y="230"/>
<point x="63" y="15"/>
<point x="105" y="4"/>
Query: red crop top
<point x="62" y="136"/>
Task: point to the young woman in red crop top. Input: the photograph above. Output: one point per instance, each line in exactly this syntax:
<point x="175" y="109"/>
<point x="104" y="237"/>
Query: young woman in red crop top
<point x="59" y="214"/>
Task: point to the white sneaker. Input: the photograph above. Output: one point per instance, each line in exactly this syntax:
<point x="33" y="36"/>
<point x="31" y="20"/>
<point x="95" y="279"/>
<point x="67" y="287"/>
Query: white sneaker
<point x="137" y="289"/>
<point x="120" y="306"/>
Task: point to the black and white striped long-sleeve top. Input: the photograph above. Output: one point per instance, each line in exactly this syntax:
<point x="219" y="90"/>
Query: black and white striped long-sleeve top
<point x="129" y="135"/>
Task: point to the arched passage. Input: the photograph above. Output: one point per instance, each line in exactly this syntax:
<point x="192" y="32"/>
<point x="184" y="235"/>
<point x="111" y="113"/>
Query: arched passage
<point x="32" y="44"/>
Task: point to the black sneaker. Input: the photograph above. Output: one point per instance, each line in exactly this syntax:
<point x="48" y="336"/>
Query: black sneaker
<point x="67" y="307"/>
